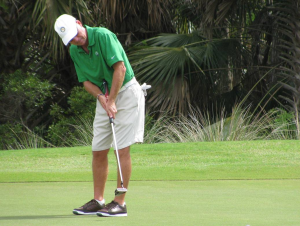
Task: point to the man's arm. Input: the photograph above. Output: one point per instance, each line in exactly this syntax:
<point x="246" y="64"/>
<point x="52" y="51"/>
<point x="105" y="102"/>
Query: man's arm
<point x="118" y="78"/>
<point x="94" y="91"/>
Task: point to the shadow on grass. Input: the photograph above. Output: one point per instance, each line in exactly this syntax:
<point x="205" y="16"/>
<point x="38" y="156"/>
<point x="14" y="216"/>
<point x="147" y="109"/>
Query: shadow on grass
<point x="39" y="217"/>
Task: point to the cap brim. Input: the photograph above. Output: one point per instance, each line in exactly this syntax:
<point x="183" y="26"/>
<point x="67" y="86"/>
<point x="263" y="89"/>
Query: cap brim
<point x="68" y="37"/>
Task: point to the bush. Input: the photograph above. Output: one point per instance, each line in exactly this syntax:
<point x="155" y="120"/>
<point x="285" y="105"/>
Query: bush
<point x="28" y="93"/>
<point x="75" y="123"/>
<point x="283" y="125"/>
<point x="8" y="138"/>
<point x="24" y="106"/>
<point x="240" y="125"/>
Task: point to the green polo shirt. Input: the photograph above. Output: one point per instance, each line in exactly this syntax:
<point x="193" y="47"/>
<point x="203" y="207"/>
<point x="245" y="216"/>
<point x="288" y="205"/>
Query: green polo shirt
<point x="104" y="51"/>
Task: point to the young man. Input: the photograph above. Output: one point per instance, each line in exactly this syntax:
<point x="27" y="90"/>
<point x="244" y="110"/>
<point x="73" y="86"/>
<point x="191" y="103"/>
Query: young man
<point x="98" y="55"/>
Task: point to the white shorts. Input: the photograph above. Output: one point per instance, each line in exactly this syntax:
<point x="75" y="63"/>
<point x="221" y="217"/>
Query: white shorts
<point x="128" y="123"/>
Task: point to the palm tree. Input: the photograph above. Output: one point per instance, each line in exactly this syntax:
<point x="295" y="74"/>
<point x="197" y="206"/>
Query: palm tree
<point x="27" y="36"/>
<point x="204" y="61"/>
<point x="12" y="36"/>
<point x="231" y="43"/>
<point x="27" y="28"/>
<point x="287" y="17"/>
<point x="204" y="51"/>
<point x="28" y="40"/>
<point x="183" y="69"/>
<point x="134" y="20"/>
<point x="31" y="24"/>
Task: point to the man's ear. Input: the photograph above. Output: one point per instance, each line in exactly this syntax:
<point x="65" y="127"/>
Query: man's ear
<point x="78" y="22"/>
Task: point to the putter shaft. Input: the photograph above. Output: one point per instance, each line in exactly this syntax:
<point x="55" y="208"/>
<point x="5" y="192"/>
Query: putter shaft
<point x="117" y="151"/>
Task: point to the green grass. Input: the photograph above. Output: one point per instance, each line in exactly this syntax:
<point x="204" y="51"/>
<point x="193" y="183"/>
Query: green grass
<point x="208" y="203"/>
<point x="180" y="161"/>
<point x="222" y="183"/>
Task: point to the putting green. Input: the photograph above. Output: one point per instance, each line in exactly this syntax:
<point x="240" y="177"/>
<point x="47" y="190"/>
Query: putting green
<point x="209" y="203"/>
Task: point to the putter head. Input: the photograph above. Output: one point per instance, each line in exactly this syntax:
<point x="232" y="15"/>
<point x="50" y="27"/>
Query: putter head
<point x="120" y="191"/>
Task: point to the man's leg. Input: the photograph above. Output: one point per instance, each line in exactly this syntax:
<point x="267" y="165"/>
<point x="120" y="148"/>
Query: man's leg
<point x="100" y="172"/>
<point x="125" y="161"/>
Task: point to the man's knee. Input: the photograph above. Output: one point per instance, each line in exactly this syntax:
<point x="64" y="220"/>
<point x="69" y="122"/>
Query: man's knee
<point x="100" y="155"/>
<point x="124" y="153"/>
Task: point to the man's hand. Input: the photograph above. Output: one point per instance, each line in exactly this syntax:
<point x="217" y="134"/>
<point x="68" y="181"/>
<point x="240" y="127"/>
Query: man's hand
<point x="111" y="109"/>
<point x="108" y="106"/>
<point x="108" y="103"/>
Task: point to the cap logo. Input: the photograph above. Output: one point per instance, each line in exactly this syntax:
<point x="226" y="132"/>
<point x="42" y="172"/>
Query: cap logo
<point x="62" y="29"/>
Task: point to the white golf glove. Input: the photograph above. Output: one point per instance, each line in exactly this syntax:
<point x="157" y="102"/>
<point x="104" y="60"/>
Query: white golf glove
<point x="145" y="87"/>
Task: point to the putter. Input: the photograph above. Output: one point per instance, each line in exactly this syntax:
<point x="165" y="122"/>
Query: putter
<point x="122" y="190"/>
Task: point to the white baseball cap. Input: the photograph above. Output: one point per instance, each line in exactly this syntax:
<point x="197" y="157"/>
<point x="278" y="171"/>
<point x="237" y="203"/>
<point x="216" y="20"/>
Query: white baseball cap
<point x="66" y="28"/>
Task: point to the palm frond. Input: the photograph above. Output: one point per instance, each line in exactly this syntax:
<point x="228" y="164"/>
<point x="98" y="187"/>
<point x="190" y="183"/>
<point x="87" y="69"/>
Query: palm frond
<point x="173" y="62"/>
<point x="137" y="17"/>
<point x="287" y="16"/>
<point x="176" y="40"/>
<point x="43" y="18"/>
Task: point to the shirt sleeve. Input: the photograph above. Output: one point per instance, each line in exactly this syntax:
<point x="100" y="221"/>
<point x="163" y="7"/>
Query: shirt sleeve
<point x="111" y="50"/>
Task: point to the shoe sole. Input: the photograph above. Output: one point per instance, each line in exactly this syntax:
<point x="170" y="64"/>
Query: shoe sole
<point x="101" y="214"/>
<point x="84" y="213"/>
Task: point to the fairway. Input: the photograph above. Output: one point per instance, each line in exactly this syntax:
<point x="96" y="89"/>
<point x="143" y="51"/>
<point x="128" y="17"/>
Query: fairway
<point x="224" y="183"/>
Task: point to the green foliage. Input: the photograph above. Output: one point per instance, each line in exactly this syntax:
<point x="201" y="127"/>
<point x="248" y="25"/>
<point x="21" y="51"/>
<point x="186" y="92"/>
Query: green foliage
<point x="7" y="136"/>
<point x="81" y="102"/>
<point x="73" y="126"/>
<point x="21" y="137"/>
<point x="287" y="15"/>
<point x="152" y="128"/>
<point x="30" y="140"/>
<point x="27" y="88"/>
<point x="240" y="125"/>
<point x="284" y="123"/>
<point x="219" y="50"/>
<point x="23" y="105"/>
<point x="72" y="131"/>
<point x="187" y="69"/>
<point x="285" y="118"/>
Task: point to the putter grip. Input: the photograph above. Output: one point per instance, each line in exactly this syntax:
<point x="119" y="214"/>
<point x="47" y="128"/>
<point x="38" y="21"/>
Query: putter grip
<point x="111" y="120"/>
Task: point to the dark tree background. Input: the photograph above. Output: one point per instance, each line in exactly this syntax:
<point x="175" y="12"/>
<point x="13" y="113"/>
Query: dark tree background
<point x="193" y="52"/>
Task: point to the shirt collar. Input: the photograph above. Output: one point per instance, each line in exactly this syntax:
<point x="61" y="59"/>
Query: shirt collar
<point x="90" y="37"/>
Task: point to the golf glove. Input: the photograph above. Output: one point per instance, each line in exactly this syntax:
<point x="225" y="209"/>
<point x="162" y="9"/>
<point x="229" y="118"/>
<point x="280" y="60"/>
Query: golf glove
<point x="145" y="87"/>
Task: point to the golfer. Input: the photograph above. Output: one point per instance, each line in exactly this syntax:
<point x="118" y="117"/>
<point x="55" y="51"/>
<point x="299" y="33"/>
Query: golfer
<point x="98" y="55"/>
